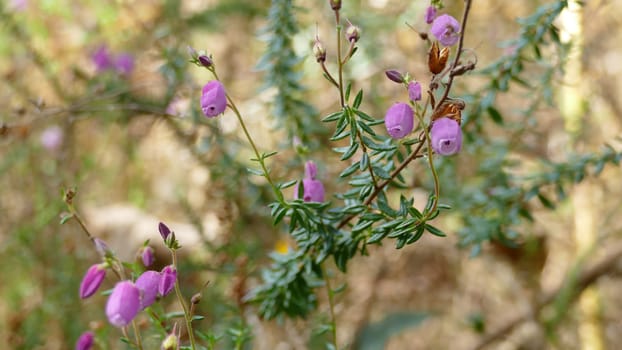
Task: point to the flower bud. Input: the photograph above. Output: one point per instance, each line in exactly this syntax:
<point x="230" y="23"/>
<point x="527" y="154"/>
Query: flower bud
<point x="353" y="33"/>
<point x="446" y="29"/>
<point x="319" y="51"/>
<point x="147" y="256"/>
<point x="167" y="280"/>
<point x="430" y="14"/>
<point x="414" y="91"/>
<point x="85" y="341"/>
<point x="310" y="170"/>
<point x="213" y="99"/>
<point x="446" y="136"/>
<point x="205" y="61"/>
<point x="171" y="342"/>
<point x="394" y="76"/>
<point x="164" y="230"/>
<point x="148" y="282"/>
<point x="196" y="298"/>
<point x="92" y="280"/>
<point x="101" y="247"/>
<point x="335" y="4"/>
<point x="399" y="120"/>
<point x="123" y="304"/>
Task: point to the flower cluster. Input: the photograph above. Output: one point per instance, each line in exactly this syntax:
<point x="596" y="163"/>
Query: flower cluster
<point x="128" y="297"/>
<point x="122" y="63"/>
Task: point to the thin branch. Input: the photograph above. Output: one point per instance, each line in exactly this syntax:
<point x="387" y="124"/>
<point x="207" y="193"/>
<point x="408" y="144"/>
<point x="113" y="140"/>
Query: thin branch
<point x="587" y="276"/>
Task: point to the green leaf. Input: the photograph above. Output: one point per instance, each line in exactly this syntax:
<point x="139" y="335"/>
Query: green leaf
<point x="363" y="115"/>
<point x="435" y="231"/>
<point x="495" y="115"/>
<point x="255" y="171"/>
<point x="350" y="152"/>
<point x="349" y="170"/>
<point x="332" y="117"/>
<point x="358" y="99"/>
<point x="348" y="89"/>
<point x="545" y="201"/>
<point x="363" y="162"/>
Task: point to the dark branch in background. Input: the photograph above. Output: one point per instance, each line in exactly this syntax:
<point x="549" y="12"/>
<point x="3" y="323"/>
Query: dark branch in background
<point x="452" y="74"/>
<point x="585" y="278"/>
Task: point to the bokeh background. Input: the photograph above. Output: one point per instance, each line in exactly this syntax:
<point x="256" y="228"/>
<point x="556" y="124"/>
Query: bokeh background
<point x="543" y="273"/>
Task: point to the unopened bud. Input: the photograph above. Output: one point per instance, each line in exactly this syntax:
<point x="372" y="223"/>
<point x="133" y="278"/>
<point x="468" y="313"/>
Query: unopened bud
<point x="395" y="76"/>
<point x="335" y="4"/>
<point x="196" y="298"/>
<point x="205" y="61"/>
<point x="353" y="33"/>
<point x="319" y="51"/>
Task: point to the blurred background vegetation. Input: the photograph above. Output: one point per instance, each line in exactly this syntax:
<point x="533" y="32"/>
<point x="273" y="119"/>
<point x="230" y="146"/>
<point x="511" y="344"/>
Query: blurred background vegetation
<point x="532" y="256"/>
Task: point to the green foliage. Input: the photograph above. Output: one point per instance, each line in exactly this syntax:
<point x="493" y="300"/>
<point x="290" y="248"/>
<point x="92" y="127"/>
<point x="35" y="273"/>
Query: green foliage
<point x="281" y="66"/>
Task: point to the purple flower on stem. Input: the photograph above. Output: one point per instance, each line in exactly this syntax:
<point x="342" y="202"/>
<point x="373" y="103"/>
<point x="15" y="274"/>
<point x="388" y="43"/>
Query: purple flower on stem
<point x="101" y="247"/>
<point x="123" y="304"/>
<point x="313" y="190"/>
<point x="164" y="230"/>
<point x="147" y="256"/>
<point x="399" y="120"/>
<point x="85" y="342"/>
<point x="430" y="14"/>
<point x="167" y="280"/>
<point x="148" y="283"/>
<point x="446" y="136"/>
<point x="124" y="63"/>
<point x="102" y="58"/>
<point x="213" y="99"/>
<point x="446" y="29"/>
<point x="92" y="280"/>
<point x="414" y="91"/>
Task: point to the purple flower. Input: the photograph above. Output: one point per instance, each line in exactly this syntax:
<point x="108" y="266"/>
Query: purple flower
<point x="52" y="138"/>
<point x="414" y="91"/>
<point x="148" y="283"/>
<point x="102" y="58"/>
<point x="446" y="29"/>
<point x="124" y="63"/>
<point x="167" y="280"/>
<point x="164" y="230"/>
<point x="147" y="256"/>
<point x="92" y="280"/>
<point x="399" y="120"/>
<point x="446" y="136"/>
<point x="85" y="342"/>
<point x="430" y="14"/>
<point x="313" y="190"/>
<point x="213" y="99"/>
<point x="123" y="304"/>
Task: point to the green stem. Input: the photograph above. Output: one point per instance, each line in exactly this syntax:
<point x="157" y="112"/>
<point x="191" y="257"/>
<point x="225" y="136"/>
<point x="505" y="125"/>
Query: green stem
<point x="339" y="61"/>
<point x="139" y="342"/>
<point x="432" y="168"/>
<point x="258" y="157"/>
<point x="180" y="297"/>
<point x="331" y="304"/>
